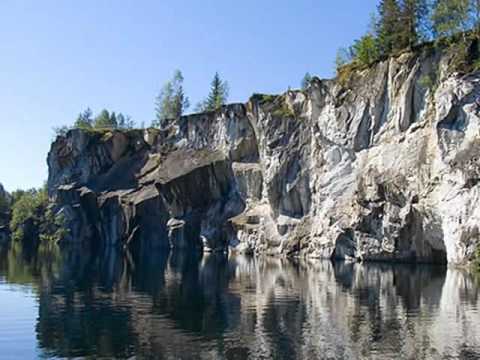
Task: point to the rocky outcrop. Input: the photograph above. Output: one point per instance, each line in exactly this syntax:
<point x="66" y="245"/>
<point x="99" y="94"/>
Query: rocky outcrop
<point x="379" y="167"/>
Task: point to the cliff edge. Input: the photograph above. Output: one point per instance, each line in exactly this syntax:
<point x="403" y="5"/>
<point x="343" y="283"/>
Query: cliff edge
<point x="381" y="165"/>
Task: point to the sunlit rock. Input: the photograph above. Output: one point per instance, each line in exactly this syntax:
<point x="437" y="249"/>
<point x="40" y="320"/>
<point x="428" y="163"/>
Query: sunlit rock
<point x="379" y="167"/>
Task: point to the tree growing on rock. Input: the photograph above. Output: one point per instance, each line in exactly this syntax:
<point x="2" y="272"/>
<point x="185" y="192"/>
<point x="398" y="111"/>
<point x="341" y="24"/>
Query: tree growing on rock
<point x="366" y="50"/>
<point x="84" y="120"/>
<point x="217" y="96"/>
<point x="105" y="120"/>
<point x="172" y="102"/>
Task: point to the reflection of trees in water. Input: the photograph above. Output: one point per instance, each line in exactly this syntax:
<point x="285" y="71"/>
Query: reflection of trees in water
<point x="208" y="307"/>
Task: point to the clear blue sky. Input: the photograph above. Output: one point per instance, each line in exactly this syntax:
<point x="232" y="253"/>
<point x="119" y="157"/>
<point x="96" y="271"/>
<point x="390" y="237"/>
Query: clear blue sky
<point x="58" y="57"/>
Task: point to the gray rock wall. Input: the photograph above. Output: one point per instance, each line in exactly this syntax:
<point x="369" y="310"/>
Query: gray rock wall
<point x="378" y="167"/>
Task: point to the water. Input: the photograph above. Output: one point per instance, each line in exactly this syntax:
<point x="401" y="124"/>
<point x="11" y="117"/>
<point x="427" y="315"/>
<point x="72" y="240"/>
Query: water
<point x="72" y="305"/>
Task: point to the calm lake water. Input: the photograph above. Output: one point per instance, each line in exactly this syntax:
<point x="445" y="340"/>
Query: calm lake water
<point x="71" y="305"/>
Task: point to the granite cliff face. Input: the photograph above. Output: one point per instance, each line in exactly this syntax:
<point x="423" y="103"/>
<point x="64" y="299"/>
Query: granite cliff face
<point x="380" y="166"/>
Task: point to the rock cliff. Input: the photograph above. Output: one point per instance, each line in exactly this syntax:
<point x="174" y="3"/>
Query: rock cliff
<point x="380" y="165"/>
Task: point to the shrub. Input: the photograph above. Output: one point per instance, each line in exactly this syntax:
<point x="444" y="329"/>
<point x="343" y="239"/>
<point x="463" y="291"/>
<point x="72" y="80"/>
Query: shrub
<point x="429" y="82"/>
<point x="264" y="98"/>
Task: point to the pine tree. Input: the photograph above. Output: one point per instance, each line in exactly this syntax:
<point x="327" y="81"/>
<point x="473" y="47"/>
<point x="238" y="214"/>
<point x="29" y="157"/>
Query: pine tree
<point x="84" y="120"/>
<point x="389" y="26"/>
<point x="105" y="121"/>
<point x="366" y="50"/>
<point x="172" y="102"/>
<point x="181" y="102"/>
<point x="413" y="23"/>
<point x="451" y="17"/>
<point x="217" y="97"/>
<point x="113" y="118"/>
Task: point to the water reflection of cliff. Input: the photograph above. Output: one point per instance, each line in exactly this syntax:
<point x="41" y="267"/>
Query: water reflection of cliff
<point x="189" y="307"/>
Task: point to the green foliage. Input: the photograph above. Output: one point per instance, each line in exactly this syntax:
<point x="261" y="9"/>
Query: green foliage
<point x="463" y="52"/>
<point x="366" y="50"/>
<point x="52" y="228"/>
<point x="275" y="104"/>
<point x="283" y="111"/>
<point x="345" y="73"/>
<point x="31" y="213"/>
<point x="414" y="25"/>
<point x="264" y="98"/>
<point x="399" y="24"/>
<point x="217" y="96"/>
<point x="459" y="52"/>
<point x="105" y="120"/>
<point x="389" y="26"/>
<point x="426" y="82"/>
<point x="172" y="102"/>
<point x="305" y="83"/>
<point x="450" y="17"/>
<point x="84" y="120"/>
<point x="429" y="82"/>
<point x="280" y="108"/>
<point x="27" y="206"/>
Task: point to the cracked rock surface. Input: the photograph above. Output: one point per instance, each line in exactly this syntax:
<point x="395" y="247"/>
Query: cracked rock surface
<point x="378" y="168"/>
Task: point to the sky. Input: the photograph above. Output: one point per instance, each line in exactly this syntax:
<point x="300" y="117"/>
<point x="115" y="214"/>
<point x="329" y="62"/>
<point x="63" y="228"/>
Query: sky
<point x="59" y="57"/>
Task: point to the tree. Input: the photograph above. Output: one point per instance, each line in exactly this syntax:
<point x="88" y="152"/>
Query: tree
<point x="217" y="97"/>
<point x="389" y="26"/>
<point x="307" y="78"/>
<point x="125" y="121"/>
<point x="450" y="17"/>
<point x="113" y="118"/>
<point x="105" y="121"/>
<point x="84" y="119"/>
<point x="413" y="22"/>
<point x="28" y="206"/>
<point x="31" y="217"/>
<point x="366" y="50"/>
<point x="172" y="102"/>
